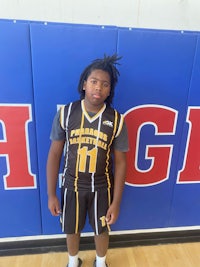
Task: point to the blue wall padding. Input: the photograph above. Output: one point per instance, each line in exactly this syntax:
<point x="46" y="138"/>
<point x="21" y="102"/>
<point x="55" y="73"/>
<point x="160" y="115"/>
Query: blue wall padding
<point x="20" y="208"/>
<point x="156" y="69"/>
<point x="40" y="65"/>
<point x="185" y="204"/>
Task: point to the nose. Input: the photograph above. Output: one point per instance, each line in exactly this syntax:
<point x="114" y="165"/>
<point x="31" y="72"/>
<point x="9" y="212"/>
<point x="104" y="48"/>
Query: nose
<point x="98" y="86"/>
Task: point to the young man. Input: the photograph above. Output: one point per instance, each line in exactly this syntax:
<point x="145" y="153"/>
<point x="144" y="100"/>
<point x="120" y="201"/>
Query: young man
<point x="94" y="138"/>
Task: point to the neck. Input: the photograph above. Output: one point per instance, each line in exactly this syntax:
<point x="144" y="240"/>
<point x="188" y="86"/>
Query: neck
<point x="92" y="108"/>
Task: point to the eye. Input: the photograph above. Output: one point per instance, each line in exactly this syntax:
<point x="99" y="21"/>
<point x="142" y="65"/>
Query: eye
<point x="106" y="84"/>
<point x="93" y="81"/>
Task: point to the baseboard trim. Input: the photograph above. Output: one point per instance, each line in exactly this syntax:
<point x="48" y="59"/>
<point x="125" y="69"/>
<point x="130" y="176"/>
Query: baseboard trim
<point x="87" y="243"/>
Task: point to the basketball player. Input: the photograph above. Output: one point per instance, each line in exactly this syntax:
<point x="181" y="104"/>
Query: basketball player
<point x="92" y="134"/>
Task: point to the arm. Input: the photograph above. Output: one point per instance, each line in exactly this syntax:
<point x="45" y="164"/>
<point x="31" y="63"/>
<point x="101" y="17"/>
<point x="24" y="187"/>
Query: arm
<point x="119" y="179"/>
<point x="53" y="165"/>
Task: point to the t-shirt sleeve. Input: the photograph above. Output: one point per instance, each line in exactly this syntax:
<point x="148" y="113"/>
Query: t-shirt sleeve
<point x="121" y="141"/>
<point x="57" y="132"/>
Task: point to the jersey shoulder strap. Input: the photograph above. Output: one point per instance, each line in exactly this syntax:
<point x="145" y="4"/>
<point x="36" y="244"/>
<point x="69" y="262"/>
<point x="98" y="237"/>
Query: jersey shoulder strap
<point x="65" y="112"/>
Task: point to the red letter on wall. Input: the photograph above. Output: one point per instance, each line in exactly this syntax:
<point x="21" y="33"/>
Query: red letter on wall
<point x="15" y="146"/>
<point x="163" y="119"/>
<point x="190" y="172"/>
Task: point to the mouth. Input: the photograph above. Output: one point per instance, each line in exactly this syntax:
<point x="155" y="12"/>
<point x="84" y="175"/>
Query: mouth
<point x="96" y="96"/>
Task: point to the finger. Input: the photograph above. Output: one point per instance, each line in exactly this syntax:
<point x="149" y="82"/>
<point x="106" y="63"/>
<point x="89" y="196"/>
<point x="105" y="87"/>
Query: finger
<point x="53" y="210"/>
<point x="58" y="211"/>
<point x="109" y="219"/>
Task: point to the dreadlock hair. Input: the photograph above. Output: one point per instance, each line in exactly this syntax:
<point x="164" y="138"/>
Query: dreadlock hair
<point x="107" y="64"/>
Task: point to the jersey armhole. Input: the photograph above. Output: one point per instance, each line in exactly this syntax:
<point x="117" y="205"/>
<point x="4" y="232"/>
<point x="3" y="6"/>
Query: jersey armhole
<point x="121" y="121"/>
<point x="64" y="118"/>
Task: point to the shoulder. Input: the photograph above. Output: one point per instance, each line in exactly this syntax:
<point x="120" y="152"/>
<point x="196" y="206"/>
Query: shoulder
<point x="118" y="119"/>
<point x="67" y="111"/>
<point x="68" y="108"/>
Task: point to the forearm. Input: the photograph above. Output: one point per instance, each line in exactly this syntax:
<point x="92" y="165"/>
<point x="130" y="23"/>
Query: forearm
<point x="52" y="175"/>
<point x="53" y="166"/>
<point x="119" y="179"/>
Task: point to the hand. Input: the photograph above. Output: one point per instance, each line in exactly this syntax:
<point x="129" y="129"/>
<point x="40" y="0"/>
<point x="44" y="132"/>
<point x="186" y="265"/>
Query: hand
<point x="112" y="214"/>
<point x="54" y="206"/>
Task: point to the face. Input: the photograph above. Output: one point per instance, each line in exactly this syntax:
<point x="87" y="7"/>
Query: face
<point x="97" y="89"/>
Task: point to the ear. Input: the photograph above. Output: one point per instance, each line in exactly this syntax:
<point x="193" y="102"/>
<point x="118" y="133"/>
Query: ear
<point x="84" y="84"/>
